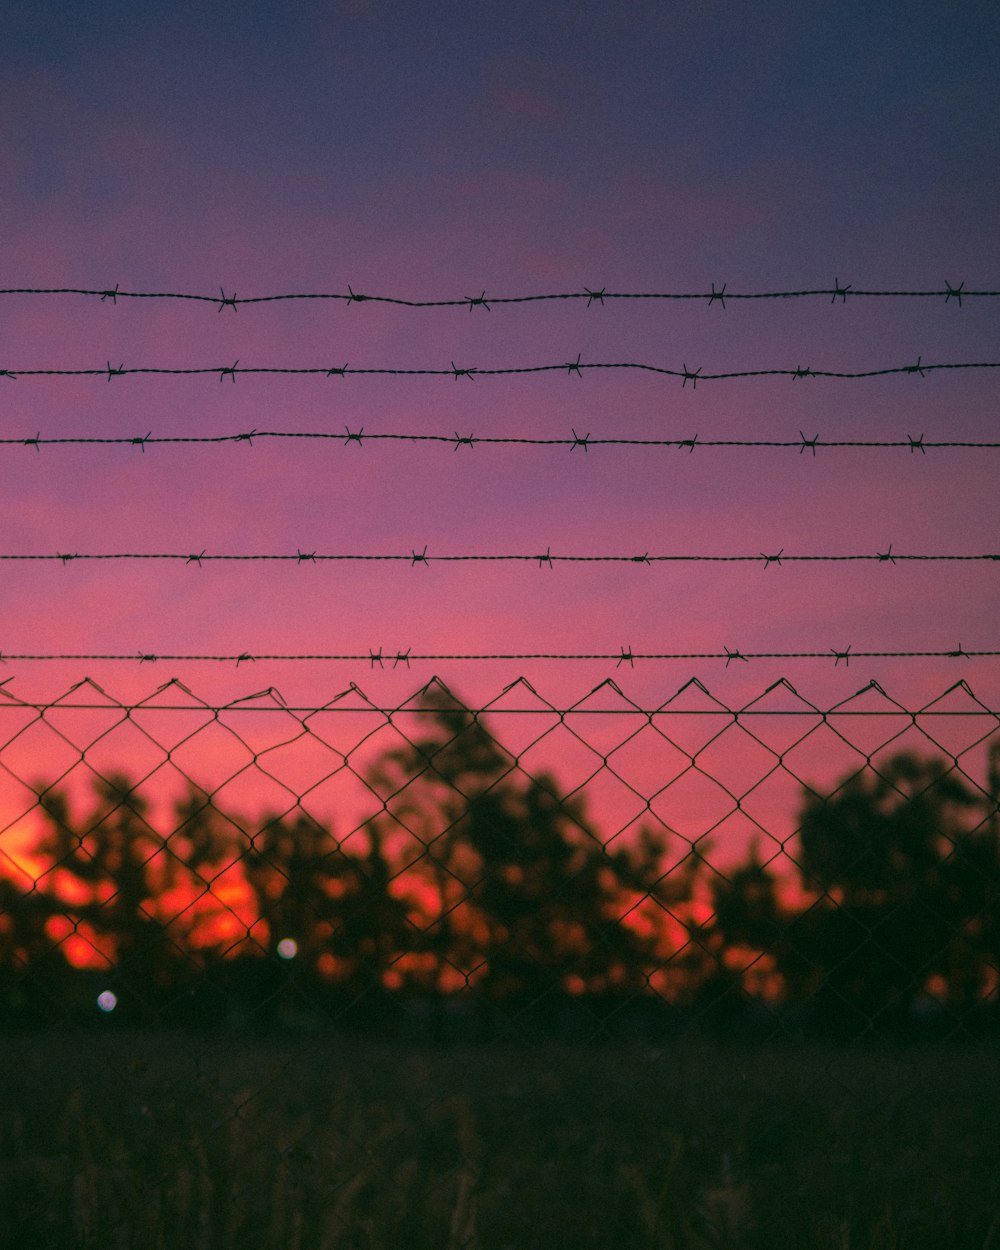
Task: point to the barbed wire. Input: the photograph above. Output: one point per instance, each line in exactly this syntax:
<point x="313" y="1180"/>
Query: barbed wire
<point x="694" y="376"/>
<point x="599" y="295"/>
<point x="542" y="559"/>
<point x="456" y="440"/>
<point x="379" y="656"/>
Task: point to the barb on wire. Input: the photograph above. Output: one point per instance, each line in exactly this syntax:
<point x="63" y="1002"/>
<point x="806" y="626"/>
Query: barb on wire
<point x="545" y="558"/>
<point x="694" y="376"/>
<point x="350" y="296"/>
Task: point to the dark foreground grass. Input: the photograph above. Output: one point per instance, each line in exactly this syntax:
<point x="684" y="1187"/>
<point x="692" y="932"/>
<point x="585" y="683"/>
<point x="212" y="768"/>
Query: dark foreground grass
<point x="153" y="1142"/>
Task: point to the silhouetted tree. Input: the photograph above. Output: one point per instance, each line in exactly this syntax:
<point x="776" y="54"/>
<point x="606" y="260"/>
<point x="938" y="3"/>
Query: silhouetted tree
<point x="522" y="897"/>
<point x="332" y="902"/>
<point x="129" y="890"/>
<point x="33" y="968"/>
<point x="905" y="870"/>
<point x="744" y="937"/>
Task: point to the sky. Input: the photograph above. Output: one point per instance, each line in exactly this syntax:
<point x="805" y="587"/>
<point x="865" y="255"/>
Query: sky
<point x="503" y="149"/>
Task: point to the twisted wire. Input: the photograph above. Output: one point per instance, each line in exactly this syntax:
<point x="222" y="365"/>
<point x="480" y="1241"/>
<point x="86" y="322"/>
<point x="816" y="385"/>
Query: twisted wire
<point x="381" y="657"/>
<point x="593" y="296"/>
<point x="694" y="376"/>
<point x="456" y="440"/>
<point x="549" y="558"/>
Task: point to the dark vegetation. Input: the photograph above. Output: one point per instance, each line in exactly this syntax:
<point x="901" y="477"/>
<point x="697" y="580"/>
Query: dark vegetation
<point x="145" y="1141"/>
<point x="477" y="904"/>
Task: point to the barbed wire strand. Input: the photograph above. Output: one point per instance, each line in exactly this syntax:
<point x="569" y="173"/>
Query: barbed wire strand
<point x="597" y="295"/>
<point x="586" y="441"/>
<point x="381" y="657"/>
<point x="414" y="557"/>
<point x="694" y="376"/>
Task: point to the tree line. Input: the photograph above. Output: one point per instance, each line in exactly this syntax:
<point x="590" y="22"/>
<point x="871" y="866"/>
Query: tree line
<point x="477" y="885"/>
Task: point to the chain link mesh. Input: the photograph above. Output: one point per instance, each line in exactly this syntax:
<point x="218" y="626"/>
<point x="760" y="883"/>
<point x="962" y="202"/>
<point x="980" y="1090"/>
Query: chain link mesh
<point x="505" y="975"/>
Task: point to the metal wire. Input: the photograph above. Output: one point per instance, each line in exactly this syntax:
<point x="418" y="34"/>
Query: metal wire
<point x="382" y="656"/>
<point x="694" y="376"/>
<point x="546" y="558"/>
<point x="456" y="441"/>
<point x="599" y="295"/>
<point x="352" y="698"/>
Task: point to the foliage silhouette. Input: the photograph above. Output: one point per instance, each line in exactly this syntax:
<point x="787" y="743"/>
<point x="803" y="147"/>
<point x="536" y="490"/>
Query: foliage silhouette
<point x="477" y="883"/>
<point x="745" y="930"/>
<point x="131" y="898"/>
<point x="899" y="914"/>
<point x="327" y="910"/>
<point x="523" y="899"/>
<point x="904" y="886"/>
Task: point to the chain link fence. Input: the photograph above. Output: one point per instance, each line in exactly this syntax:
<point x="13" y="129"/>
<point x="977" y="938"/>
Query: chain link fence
<point x="503" y="975"/>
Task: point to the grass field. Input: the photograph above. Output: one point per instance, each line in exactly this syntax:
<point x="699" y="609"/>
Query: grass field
<point x="118" y="1140"/>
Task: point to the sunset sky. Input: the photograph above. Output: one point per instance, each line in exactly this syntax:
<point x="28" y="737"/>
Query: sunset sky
<point x="514" y="148"/>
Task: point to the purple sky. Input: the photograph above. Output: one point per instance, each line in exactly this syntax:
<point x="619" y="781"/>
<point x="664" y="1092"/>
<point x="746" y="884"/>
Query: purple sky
<point x="437" y="152"/>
